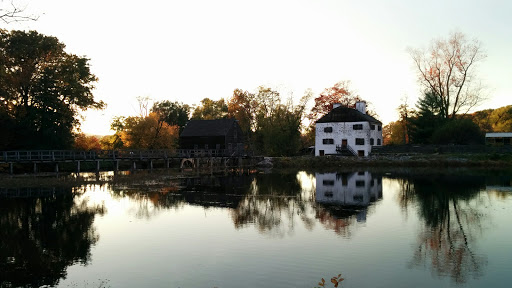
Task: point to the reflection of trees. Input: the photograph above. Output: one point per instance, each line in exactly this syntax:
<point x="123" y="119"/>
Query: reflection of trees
<point x="40" y="237"/>
<point x="453" y="221"/>
<point x="271" y="202"/>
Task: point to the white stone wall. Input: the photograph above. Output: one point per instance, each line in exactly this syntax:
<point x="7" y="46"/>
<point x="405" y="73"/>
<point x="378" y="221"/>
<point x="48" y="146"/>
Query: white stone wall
<point x="345" y="130"/>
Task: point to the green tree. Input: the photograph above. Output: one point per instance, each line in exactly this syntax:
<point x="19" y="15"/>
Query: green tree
<point x="43" y="89"/>
<point x="210" y="110"/>
<point x="278" y="126"/>
<point x="458" y="131"/>
<point x="429" y="118"/>
<point x="173" y="113"/>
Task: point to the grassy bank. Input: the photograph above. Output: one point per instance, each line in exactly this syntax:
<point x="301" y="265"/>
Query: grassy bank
<point x="493" y="160"/>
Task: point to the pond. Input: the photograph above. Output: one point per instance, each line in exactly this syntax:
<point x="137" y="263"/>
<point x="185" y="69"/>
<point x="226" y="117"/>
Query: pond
<point x="398" y="228"/>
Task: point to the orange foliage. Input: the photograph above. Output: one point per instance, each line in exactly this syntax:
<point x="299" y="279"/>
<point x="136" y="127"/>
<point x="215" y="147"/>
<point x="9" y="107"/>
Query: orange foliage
<point x="86" y="143"/>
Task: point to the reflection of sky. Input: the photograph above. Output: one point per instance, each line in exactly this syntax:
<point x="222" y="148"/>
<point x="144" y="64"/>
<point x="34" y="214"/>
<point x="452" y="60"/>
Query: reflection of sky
<point x="192" y="246"/>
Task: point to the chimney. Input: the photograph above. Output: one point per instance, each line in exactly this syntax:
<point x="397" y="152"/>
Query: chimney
<point x="336" y="105"/>
<point x="361" y="106"/>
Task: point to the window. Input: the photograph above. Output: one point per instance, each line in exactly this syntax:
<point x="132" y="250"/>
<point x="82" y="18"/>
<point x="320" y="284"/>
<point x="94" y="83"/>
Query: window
<point x="328" y="182"/>
<point x="378" y="141"/>
<point x="371" y="141"/>
<point x="328" y="141"/>
<point x="372" y="126"/>
<point x="328" y="129"/>
<point x="379" y="128"/>
<point x="359" y="141"/>
<point x="328" y="194"/>
<point x="358" y="127"/>
<point x="360" y="183"/>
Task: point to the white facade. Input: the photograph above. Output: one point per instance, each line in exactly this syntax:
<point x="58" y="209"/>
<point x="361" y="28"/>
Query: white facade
<point x="344" y="131"/>
<point x="358" y="135"/>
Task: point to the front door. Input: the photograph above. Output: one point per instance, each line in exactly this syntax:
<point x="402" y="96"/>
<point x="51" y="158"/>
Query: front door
<point x="344" y="143"/>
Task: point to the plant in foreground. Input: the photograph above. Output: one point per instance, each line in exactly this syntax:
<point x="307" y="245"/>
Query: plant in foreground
<point x="336" y="280"/>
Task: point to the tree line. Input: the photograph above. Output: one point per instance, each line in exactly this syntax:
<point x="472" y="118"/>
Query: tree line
<point x="43" y="90"/>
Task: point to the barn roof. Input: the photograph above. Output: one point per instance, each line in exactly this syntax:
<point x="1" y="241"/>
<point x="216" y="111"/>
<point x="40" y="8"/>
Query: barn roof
<point x="218" y="127"/>
<point x="345" y="114"/>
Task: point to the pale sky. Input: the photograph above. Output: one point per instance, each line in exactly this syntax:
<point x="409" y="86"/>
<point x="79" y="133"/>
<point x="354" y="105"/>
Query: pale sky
<point x="188" y="50"/>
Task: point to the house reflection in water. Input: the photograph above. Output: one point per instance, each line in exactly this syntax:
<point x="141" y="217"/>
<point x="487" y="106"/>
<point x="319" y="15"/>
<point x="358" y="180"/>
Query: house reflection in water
<point x="348" y="193"/>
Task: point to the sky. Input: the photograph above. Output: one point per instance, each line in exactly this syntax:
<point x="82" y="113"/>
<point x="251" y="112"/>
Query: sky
<point x="189" y="50"/>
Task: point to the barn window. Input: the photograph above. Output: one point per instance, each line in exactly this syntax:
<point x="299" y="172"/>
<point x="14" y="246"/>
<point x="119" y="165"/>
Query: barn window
<point x="358" y="127"/>
<point x="359" y="141"/>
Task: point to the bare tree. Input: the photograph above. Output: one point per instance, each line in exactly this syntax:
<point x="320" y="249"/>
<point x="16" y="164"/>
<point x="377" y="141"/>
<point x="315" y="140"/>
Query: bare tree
<point x="10" y="12"/>
<point x="448" y="70"/>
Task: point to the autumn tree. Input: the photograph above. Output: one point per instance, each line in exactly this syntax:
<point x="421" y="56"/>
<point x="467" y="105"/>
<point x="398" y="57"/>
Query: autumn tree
<point x="43" y="89"/>
<point x="339" y="93"/>
<point x="149" y="132"/>
<point x="494" y="120"/>
<point x="86" y="142"/>
<point x="210" y="110"/>
<point x="242" y="106"/>
<point x="447" y="70"/>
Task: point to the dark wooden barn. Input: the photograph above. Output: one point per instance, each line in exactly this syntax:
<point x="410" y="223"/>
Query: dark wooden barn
<point x="218" y="137"/>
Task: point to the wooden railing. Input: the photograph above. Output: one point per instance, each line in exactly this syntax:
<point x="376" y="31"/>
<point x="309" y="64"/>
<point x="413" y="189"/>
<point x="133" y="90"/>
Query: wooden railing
<point x="72" y="155"/>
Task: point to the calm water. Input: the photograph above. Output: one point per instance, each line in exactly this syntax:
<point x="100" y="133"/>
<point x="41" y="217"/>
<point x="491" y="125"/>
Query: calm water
<point x="387" y="229"/>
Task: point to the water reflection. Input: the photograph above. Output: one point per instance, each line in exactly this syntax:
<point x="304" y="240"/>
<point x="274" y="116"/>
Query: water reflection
<point x="344" y="198"/>
<point x="453" y="213"/>
<point x="42" y="232"/>
<point x="271" y="203"/>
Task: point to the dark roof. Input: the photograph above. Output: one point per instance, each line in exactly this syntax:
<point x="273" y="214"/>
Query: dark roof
<point x="218" y="127"/>
<point x="345" y="114"/>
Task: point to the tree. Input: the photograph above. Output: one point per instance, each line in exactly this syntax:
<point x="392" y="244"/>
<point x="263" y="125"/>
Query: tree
<point x="173" y="113"/>
<point x="448" y="71"/>
<point x="278" y="126"/>
<point x="211" y="109"/>
<point x="494" y="120"/>
<point x="149" y="132"/>
<point x="10" y="12"/>
<point x="393" y="133"/>
<point x="405" y="114"/>
<point x="458" y="131"/>
<point x="428" y="119"/>
<point x="242" y="106"/>
<point x="339" y="93"/>
<point x="42" y="90"/>
<point x="86" y="143"/>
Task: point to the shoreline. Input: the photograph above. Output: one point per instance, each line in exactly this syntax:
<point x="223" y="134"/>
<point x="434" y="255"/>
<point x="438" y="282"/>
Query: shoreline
<point x="396" y="160"/>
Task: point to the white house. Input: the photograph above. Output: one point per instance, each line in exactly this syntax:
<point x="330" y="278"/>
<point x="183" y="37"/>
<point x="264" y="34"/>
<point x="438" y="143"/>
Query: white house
<point x="347" y="131"/>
